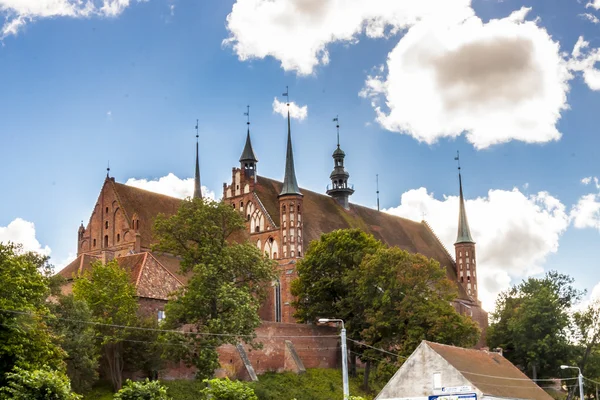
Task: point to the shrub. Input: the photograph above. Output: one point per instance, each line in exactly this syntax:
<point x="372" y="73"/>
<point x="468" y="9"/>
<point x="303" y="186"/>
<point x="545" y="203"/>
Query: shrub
<point x="41" y="384"/>
<point x="224" y="389"/>
<point x="144" y="390"/>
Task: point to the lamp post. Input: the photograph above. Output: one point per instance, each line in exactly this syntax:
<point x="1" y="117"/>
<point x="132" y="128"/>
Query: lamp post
<point x="579" y="376"/>
<point x="344" y="355"/>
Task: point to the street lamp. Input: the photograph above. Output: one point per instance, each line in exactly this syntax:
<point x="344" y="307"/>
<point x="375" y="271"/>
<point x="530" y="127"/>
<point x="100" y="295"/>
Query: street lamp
<point x="344" y="355"/>
<point x="579" y="376"/>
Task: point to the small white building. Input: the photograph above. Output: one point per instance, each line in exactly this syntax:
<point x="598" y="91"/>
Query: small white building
<point x="440" y="372"/>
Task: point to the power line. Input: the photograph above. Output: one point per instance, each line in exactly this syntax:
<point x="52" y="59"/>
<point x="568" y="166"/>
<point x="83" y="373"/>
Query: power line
<point x="516" y="386"/>
<point x="167" y="330"/>
<point x="376" y="348"/>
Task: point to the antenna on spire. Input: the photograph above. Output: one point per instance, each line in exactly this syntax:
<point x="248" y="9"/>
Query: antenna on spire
<point x="377" y="182"/>
<point x="457" y="159"/>
<point x="108" y="170"/>
<point x="197" y="131"/>
<point x="337" y="125"/>
<point x="287" y="95"/>
<point x="247" y="114"/>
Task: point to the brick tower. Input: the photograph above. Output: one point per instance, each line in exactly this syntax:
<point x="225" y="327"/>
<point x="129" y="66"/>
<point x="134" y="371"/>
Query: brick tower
<point x="466" y="267"/>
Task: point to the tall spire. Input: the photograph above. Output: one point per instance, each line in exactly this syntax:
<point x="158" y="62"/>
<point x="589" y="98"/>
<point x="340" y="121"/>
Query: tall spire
<point x="248" y="153"/>
<point x="290" y="185"/>
<point x="197" y="187"/>
<point x="339" y="188"/>
<point x="464" y="233"/>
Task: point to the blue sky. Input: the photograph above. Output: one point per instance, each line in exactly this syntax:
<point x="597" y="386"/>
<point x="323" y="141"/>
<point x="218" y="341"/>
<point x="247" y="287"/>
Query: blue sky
<point x="82" y="88"/>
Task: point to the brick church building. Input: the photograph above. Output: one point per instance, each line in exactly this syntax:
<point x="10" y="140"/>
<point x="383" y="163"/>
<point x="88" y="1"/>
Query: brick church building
<point x="281" y="220"/>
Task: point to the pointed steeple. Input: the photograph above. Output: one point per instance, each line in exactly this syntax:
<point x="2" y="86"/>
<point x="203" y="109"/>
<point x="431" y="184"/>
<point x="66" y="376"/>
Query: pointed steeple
<point x="464" y="233"/>
<point x="290" y="185"/>
<point x="248" y="153"/>
<point x="339" y="188"/>
<point x="197" y="187"/>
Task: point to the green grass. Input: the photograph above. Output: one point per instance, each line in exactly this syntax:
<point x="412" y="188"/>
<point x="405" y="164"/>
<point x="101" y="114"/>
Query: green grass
<point x="315" y="384"/>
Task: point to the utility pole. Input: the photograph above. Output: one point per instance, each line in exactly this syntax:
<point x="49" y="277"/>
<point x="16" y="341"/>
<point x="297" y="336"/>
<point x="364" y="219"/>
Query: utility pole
<point x="345" y="387"/>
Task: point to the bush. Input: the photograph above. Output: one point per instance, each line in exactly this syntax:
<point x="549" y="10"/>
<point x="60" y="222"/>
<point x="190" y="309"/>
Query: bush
<point x="224" y="389"/>
<point x="144" y="390"/>
<point x="41" y="384"/>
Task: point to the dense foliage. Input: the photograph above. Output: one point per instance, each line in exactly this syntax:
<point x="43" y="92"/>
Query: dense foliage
<point x="25" y="339"/>
<point x="387" y="297"/>
<point x="227" y="283"/>
<point x="144" y="390"/>
<point x="531" y="321"/>
<point x="111" y="298"/>
<point x="40" y="384"/>
<point x="78" y="338"/>
<point x="224" y="389"/>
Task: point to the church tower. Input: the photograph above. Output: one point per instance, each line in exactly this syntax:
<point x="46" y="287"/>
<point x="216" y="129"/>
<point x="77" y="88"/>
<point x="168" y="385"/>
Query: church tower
<point x="248" y="160"/>
<point x="197" y="187"/>
<point x="466" y="267"/>
<point x="339" y="188"/>
<point x="290" y="204"/>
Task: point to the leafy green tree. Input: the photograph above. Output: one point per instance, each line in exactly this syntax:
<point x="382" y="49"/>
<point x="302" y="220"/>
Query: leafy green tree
<point x="111" y="298"/>
<point x="408" y="298"/>
<point x="40" y="384"/>
<point x="78" y="338"/>
<point x="144" y="390"/>
<point x="227" y="283"/>
<point x="327" y="281"/>
<point x="530" y="323"/>
<point x="224" y="389"/>
<point x="25" y="339"/>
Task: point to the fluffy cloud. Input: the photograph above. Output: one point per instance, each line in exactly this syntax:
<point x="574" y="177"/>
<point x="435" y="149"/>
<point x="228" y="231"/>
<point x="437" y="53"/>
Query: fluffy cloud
<point x="170" y="185"/>
<point x="497" y="81"/>
<point x="23" y="232"/>
<point x="583" y="59"/>
<point x="18" y="12"/>
<point x="514" y="232"/>
<point x="586" y="213"/>
<point x="296" y="112"/>
<point x="297" y="32"/>
<point x="594" y="4"/>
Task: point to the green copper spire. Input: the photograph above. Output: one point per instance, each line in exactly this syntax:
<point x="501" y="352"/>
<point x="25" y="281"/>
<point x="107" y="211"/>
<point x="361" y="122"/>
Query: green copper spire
<point x="464" y="233"/>
<point x="290" y="185"/>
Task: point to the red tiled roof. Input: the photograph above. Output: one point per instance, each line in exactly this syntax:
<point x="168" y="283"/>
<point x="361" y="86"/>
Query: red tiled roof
<point x="323" y="214"/>
<point x="491" y="373"/>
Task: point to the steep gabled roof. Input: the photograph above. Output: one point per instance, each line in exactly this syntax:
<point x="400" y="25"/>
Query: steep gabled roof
<point x="147" y="205"/>
<point x="323" y="214"/>
<point x="491" y="373"/>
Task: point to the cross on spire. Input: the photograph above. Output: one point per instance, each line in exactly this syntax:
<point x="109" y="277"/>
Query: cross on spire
<point x="457" y="159"/>
<point x="287" y="96"/>
<point x="247" y="114"/>
<point x="197" y="187"/>
<point x="108" y="170"/>
<point x="337" y="125"/>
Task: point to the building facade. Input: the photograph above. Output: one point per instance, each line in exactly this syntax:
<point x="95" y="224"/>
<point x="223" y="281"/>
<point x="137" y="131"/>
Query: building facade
<point x="281" y="220"/>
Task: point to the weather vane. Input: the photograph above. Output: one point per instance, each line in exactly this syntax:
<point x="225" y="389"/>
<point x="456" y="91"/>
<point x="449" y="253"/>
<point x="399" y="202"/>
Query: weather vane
<point x="247" y="114"/>
<point x="196" y="130"/>
<point x="457" y="158"/>
<point x="287" y="95"/>
<point x="337" y="125"/>
<point x="108" y="169"/>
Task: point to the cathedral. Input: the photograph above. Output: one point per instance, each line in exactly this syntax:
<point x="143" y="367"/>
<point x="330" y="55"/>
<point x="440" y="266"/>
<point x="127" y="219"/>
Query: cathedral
<point x="281" y="220"/>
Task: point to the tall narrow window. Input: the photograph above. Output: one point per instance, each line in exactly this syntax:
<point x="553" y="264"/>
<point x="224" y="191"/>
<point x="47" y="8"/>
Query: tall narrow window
<point x="118" y="237"/>
<point x="277" y="301"/>
<point x="106" y="241"/>
<point x="106" y="225"/>
<point x="94" y="242"/>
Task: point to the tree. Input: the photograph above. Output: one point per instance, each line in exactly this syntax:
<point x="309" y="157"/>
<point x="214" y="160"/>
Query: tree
<point x="227" y="284"/>
<point x="145" y="390"/>
<point x="41" y="384"/>
<point x="111" y="298"/>
<point x="530" y="323"/>
<point x="25" y="339"/>
<point x="224" y="389"/>
<point x="326" y="284"/>
<point x="408" y="298"/>
<point x="78" y="338"/>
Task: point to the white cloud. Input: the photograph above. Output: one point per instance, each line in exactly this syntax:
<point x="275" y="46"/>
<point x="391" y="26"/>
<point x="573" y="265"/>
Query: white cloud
<point x="587" y="180"/>
<point x="514" y="232"/>
<point x="498" y="81"/>
<point x="23" y="232"/>
<point x="18" y="12"/>
<point x="583" y="59"/>
<point x="296" y="112"/>
<point x="595" y="4"/>
<point x="586" y="213"/>
<point x="297" y="32"/>
<point x="170" y="185"/>
<point x="590" y="17"/>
